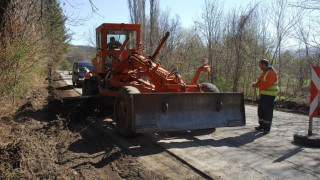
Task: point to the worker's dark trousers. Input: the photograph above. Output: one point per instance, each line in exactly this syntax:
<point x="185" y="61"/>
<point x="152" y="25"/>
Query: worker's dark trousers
<point x="265" y="111"/>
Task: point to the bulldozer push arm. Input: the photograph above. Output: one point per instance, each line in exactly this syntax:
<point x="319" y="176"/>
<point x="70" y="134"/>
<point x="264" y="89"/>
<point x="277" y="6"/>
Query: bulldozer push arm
<point x="149" y="98"/>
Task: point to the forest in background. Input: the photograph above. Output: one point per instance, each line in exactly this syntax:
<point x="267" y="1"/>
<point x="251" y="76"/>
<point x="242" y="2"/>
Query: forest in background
<point x="34" y="42"/>
<point x="281" y="31"/>
<point x="77" y="53"/>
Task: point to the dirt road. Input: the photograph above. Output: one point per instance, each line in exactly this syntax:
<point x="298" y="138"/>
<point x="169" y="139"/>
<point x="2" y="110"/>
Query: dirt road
<point x="242" y="153"/>
<point x="71" y="138"/>
<point x="74" y="137"/>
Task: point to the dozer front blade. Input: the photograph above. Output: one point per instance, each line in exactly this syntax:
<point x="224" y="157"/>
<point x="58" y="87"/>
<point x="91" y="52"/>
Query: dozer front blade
<point x="154" y="112"/>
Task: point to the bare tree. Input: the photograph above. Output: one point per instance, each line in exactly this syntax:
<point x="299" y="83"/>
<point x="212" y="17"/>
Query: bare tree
<point x="283" y="19"/>
<point x="137" y="12"/>
<point x="311" y="9"/>
<point x="172" y="25"/>
<point x="313" y="5"/>
<point x="91" y="37"/>
<point x="153" y="24"/>
<point x="209" y="28"/>
<point x="238" y="39"/>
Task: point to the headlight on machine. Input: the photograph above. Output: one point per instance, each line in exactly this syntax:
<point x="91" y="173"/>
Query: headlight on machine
<point x="207" y="68"/>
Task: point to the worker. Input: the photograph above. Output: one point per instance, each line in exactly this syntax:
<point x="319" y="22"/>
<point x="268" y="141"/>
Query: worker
<point x="87" y="73"/>
<point x="268" y="90"/>
<point x="113" y="44"/>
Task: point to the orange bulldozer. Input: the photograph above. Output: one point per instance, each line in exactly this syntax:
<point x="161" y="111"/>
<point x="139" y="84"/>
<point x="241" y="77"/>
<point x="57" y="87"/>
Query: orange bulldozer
<point x="149" y="98"/>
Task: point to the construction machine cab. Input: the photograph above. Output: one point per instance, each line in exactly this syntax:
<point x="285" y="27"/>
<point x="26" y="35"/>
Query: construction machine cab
<point x="109" y="39"/>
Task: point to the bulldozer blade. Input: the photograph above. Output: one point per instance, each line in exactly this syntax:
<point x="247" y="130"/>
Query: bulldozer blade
<point x="186" y="111"/>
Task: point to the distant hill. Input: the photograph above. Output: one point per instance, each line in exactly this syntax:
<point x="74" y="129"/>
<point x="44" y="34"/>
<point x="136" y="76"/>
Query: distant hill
<point x="80" y="53"/>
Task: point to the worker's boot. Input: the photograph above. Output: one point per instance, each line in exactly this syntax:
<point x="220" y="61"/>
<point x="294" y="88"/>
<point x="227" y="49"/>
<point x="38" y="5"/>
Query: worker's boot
<point x="258" y="128"/>
<point x="266" y="130"/>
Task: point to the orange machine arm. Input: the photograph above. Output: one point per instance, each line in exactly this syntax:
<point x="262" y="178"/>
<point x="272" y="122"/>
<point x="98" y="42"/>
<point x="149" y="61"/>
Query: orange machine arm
<point x="164" y="39"/>
<point x="204" y="68"/>
<point x="130" y="71"/>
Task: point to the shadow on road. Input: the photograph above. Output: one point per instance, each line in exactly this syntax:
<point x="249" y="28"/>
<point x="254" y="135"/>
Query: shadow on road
<point x="193" y="141"/>
<point x="289" y="154"/>
<point x="100" y="140"/>
<point x="68" y="87"/>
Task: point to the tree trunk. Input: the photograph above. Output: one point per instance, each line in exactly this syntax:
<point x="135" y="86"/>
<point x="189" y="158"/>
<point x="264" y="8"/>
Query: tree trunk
<point x="279" y="71"/>
<point x="210" y="74"/>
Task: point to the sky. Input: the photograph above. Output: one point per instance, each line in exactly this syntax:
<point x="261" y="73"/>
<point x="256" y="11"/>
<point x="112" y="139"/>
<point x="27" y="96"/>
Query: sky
<point x="116" y="11"/>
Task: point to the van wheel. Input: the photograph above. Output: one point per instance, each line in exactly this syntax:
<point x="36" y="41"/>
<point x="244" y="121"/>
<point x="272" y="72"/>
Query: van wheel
<point x="93" y="87"/>
<point x="85" y="88"/>
<point x="90" y="87"/>
<point x="78" y="85"/>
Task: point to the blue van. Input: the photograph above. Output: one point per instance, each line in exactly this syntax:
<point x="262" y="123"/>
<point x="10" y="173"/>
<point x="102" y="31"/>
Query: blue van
<point x="78" y="72"/>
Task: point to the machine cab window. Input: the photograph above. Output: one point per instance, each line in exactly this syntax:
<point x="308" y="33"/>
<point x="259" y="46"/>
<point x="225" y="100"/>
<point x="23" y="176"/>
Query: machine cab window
<point x="98" y="40"/>
<point x="116" y="38"/>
